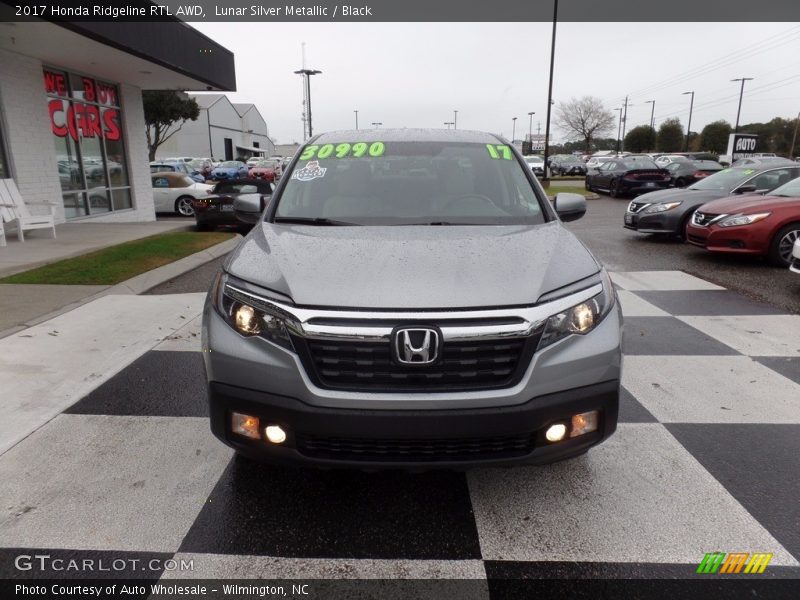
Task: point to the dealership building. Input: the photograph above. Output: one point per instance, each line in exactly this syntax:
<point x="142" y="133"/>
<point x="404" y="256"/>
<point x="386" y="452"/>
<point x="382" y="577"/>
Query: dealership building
<point x="72" y="131"/>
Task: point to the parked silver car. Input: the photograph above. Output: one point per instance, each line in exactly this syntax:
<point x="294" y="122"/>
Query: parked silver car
<point x="410" y="298"/>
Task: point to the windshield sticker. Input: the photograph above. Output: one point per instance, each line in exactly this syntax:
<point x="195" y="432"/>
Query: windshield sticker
<point x="310" y="172"/>
<point x="749" y="171"/>
<point x="498" y="151"/>
<point x="344" y="150"/>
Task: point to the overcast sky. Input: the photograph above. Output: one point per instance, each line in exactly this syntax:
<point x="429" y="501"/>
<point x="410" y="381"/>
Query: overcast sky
<point x="416" y="74"/>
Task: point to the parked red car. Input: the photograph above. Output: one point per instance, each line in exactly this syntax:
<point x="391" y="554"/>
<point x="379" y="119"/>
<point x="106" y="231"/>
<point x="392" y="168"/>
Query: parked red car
<point x="267" y="170"/>
<point x="759" y="225"/>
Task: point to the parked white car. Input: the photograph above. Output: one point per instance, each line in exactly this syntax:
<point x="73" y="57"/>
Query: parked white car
<point x="251" y="162"/>
<point x="175" y="192"/>
<point x="596" y="161"/>
<point x="666" y="159"/>
<point x="795" y="264"/>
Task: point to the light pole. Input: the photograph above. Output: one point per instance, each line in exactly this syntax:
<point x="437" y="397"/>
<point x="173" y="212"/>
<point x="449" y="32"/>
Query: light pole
<point x="448" y="123"/>
<point x="550" y="90"/>
<point x="741" y="93"/>
<point x="619" y="126"/>
<point x="355" y="111"/>
<point x="689" y="126"/>
<point x="652" y="113"/>
<point x="307" y="73"/>
<point x="530" y="128"/>
<point x="377" y="124"/>
<point x="513" y="128"/>
<point x="455" y="119"/>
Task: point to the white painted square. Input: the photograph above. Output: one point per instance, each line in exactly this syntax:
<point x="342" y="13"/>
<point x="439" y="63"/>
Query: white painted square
<point x="634" y="306"/>
<point x="108" y="483"/>
<point x="186" y="339"/>
<point x="638" y="497"/>
<point x="660" y="281"/>
<point x="711" y="389"/>
<point x="763" y="335"/>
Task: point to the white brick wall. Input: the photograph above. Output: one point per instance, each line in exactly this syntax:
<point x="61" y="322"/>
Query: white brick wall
<point x="32" y="153"/>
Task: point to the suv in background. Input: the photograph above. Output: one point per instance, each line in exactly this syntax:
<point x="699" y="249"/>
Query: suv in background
<point x="411" y="299"/>
<point x="567" y="164"/>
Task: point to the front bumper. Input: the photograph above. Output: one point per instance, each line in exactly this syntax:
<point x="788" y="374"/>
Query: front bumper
<point x="732" y="240"/>
<point x="409" y="438"/>
<point x="665" y="222"/>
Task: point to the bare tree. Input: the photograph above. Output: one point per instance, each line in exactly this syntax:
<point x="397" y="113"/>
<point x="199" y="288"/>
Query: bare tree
<point x="585" y="119"/>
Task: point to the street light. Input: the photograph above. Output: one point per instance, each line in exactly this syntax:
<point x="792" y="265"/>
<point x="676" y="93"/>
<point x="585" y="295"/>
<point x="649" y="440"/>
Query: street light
<point x="530" y="128"/>
<point x="513" y="128"/>
<point x="307" y="73"/>
<point x="455" y="119"/>
<point x="689" y="126"/>
<point x="448" y="123"/>
<point x="355" y="111"/>
<point x="652" y="113"/>
<point x="741" y="93"/>
<point x="377" y="124"/>
<point x="546" y="177"/>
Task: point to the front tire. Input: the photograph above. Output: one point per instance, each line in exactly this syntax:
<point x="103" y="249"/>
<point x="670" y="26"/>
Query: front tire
<point x="680" y="182"/>
<point x="780" y="248"/>
<point x="183" y="206"/>
<point x="613" y="189"/>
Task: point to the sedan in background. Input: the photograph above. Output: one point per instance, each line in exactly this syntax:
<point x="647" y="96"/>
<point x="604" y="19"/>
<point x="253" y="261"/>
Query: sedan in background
<point x="204" y="166"/>
<point x="757" y="225"/>
<point x="536" y="163"/>
<point x="216" y="209"/>
<point x="567" y="164"/>
<point x="628" y="175"/>
<point x="266" y="169"/>
<point x="687" y="172"/>
<point x="669" y="211"/>
<point x="230" y="169"/>
<point x="175" y="192"/>
<point x="595" y="161"/>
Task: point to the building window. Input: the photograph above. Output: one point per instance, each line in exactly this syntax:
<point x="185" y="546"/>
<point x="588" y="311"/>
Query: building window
<point x="4" y="171"/>
<point x="86" y="122"/>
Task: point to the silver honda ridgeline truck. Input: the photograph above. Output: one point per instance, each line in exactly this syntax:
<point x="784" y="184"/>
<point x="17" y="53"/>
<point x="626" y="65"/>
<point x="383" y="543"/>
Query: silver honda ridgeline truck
<point x="411" y="299"/>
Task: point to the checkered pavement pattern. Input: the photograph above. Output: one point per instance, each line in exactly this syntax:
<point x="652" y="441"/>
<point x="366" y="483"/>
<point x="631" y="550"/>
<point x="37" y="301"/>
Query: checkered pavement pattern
<point x="705" y="459"/>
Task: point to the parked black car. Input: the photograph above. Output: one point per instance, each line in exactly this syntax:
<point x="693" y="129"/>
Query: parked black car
<point x="628" y="175"/>
<point x="567" y="164"/>
<point x="216" y="209"/>
<point x="688" y="172"/>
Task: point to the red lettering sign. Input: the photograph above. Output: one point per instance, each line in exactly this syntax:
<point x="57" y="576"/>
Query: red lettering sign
<point x="88" y="90"/>
<point x="85" y="119"/>
<point x="55" y="83"/>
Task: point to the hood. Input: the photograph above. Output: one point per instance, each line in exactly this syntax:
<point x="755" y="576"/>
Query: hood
<point x="411" y="267"/>
<point x="688" y="197"/>
<point x="746" y="204"/>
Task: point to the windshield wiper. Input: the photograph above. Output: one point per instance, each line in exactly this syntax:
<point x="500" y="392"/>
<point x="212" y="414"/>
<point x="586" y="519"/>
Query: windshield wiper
<point x="311" y="221"/>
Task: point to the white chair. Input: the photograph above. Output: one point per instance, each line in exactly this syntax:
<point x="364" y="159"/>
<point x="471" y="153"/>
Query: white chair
<point x="15" y="211"/>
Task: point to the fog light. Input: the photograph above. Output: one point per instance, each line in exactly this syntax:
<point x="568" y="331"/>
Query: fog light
<point x="556" y="433"/>
<point x="584" y="423"/>
<point x="245" y="425"/>
<point x="275" y="434"/>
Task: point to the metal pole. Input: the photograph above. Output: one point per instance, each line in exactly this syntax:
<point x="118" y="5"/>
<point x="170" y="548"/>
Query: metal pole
<point x="689" y="126"/>
<point x="530" y="128"/>
<point x="619" y="126"/>
<point x="794" y="137"/>
<point x="455" y="119"/>
<point x="741" y="93"/>
<point x="513" y="128"/>
<point x="308" y="88"/>
<point x="355" y="111"/>
<point x="550" y="91"/>
<point x="624" y="124"/>
<point x="653" y="114"/>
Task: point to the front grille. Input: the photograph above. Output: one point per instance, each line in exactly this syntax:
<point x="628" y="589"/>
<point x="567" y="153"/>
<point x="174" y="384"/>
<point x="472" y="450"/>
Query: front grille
<point x="369" y="366"/>
<point x="415" y="450"/>
<point x="703" y="219"/>
<point x="635" y="207"/>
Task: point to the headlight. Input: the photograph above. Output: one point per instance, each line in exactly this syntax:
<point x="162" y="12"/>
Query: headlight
<point x="735" y="220"/>
<point x="250" y="314"/>
<point x="659" y="208"/>
<point x="581" y="318"/>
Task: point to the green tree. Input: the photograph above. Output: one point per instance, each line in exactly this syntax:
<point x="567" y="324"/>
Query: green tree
<point x="714" y="137"/>
<point x="640" y="139"/>
<point x="165" y="112"/>
<point x="670" y="136"/>
<point x="775" y="136"/>
<point x="584" y="119"/>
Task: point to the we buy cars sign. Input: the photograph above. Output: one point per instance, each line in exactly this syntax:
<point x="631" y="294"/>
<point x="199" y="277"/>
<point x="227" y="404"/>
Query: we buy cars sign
<point x="742" y="145"/>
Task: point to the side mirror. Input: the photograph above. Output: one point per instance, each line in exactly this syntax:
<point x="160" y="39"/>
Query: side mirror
<point x="569" y="207"/>
<point x="248" y="208"/>
<point x="746" y="188"/>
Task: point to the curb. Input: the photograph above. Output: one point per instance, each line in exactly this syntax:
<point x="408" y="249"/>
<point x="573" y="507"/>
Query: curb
<point x="140" y="283"/>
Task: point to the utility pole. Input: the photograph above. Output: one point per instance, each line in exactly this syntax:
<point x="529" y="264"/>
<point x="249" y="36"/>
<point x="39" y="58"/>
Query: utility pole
<point x="448" y="123"/>
<point x="741" y="93"/>
<point x="513" y="128"/>
<point x="455" y="119"/>
<point x="689" y="126"/>
<point x="355" y="111"/>
<point x="652" y="113"/>
<point x="550" y="92"/>
<point x="624" y="123"/>
<point x="619" y="126"/>
<point x="530" y="127"/>
<point x="794" y="137"/>
<point x="377" y="124"/>
<point x="538" y="128"/>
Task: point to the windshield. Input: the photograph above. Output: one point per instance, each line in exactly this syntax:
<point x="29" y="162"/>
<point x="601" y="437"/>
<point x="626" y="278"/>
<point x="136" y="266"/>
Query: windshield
<point x="409" y="183"/>
<point x="266" y="164"/>
<point x="639" y="163"/>
<point x="230" y="164"/>
<point x="727" y="179"/>
<point x="790" y="190"/>
<point x="569" y="159"/>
